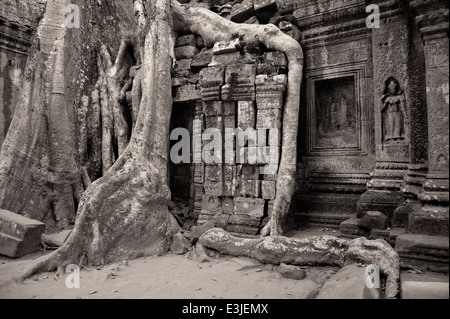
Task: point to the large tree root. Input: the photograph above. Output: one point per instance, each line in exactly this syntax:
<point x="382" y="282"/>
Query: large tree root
<point x="316" y="250"/>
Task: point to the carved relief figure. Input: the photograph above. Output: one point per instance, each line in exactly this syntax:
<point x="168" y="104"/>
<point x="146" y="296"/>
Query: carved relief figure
<point x="395" y="116"/>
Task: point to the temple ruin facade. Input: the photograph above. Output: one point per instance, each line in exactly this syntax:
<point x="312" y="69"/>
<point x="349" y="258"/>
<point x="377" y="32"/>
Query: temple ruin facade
<point x="373" y="141"/>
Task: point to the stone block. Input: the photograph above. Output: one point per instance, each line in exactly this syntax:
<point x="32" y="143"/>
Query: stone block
<point x="241" y="12"/>
<point x="182" y="65"/>
<point x="228" y="205"/>
<point x="222" y="220"/>
<point x="212" y="108"/>
<point x="349" y="283"/>
<point x="213" y="122"/>
<point x="56" y="239"/>
<point x="213" y="173"/>
<point x="424" y="286"/>
<point x="242" y="229"/>
<point x="269" y="118"/>
<point x="246" y="114"/>
<point x="276" y="58"/>
<point x="291" y="272"/>
<point x="249" y="206"/>
<point x="225" y="59"/>
<point x="244" y="220"/>
<point x="249" y="172"/>
<point x="249" y="188"/>
<point x="225" y="47"/>
<point x="187" y="93"/>
<point x="19" y="235"/>
<point x="353" y="227"/>
<point x="375" y="220"/>
<point x="213" y="188"/>
<point x="201" y="60"/>
<point x="187" y="39"/>
<point x="229" y="108"/>
<point x="185" y="52"/>
<point x="229" y="180"/>
<point x="268" y="189"/>
<point x="179" y="244"/>
<point x="211" y="79"/>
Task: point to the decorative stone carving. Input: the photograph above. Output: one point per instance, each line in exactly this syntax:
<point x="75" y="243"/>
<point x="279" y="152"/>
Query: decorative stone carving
<point x="394" y="112"/>
<point x="211" y="80"/>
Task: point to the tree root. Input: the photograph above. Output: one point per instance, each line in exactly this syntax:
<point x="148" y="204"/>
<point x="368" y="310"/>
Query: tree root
<point x="316" y="250"/>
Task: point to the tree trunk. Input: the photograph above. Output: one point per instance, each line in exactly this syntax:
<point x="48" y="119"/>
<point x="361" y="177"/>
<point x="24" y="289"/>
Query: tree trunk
<point x="124" y="213"/>
<point x="39" y="175"/>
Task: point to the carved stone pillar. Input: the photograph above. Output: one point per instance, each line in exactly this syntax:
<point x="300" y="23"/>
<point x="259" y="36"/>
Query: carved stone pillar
<point x="433" y="217"/>
<point x="392" y="110"/>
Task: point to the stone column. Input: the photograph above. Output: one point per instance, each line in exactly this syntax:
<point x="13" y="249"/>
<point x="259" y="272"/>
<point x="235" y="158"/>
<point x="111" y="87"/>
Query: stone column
<point x="433" y="217"/>
<point x="392" y="106"/>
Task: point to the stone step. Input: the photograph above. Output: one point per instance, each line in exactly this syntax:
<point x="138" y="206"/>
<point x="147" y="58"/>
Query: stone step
<point x="19" y="235"/>
<point x="423" y="252"/>
<point x="424" y="286"/>
<point x="315" y="219"/>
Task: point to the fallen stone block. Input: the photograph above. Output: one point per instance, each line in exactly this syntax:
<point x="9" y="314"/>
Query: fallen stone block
<point x="375" y="220"/>
<point x="19" y="235"/>
<point x="349" y="283"/>
<point x="291" y="272"/>
<point x="56" y="239"/>
<point x="179" y="244"/>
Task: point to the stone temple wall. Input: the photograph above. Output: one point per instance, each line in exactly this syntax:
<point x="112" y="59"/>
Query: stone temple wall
<point x="18" y="22"/>
<point x="238" y="87"/>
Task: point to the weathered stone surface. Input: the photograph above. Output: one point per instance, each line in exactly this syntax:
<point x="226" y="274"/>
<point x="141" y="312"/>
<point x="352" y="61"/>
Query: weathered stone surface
<point x="188" y="92"/>
<point x="375" y="220"/>
<point x="423" y="252"/>
<point x="179" y="244"/>
<point x="380" y="253"/>
<point x="212" y="108"/>
<point x="225" y="47"/>
<point x="211" y="79"/>
<point x="229" y="181"/>
<point x="244" y="220"/>
<point x="424" y="286"/>
<point x="268" y="118"/>
<point x="185" y="52"/>
<point x="353" y="228"/>
<point x="198" y="231"/>
<point x="187" y="39"/>
<point x="246" y="115"/>
<point x="349" y="283"/>
<point x="19" y="235"/>
<point x="182" y="65"/>
<point x="249" y="206"/>
<point x="430" y="219"/>
<point x="242" y="11"/>
<point x="250" y="188"/>
<point x="57" y="239"/>
<point x="201" y="60"/>
<point x="291" y="272"/>
<point x="200" y="254"/>
<point x="261" y="4"/>
<point x="243" y="229"/>
<point x="240" y="82"/>
<point x="268" y="189"/>
<point x="213" y="173"/>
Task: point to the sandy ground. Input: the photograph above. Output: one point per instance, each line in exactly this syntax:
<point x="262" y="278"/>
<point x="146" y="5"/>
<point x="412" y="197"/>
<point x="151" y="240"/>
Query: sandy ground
<point x="166" y="277"/>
